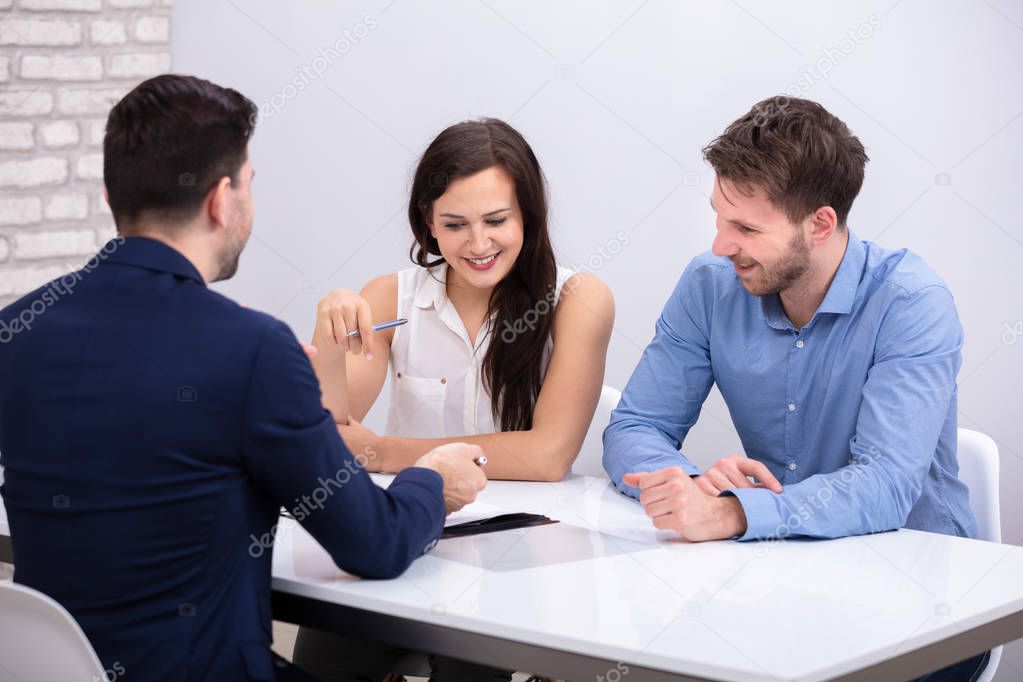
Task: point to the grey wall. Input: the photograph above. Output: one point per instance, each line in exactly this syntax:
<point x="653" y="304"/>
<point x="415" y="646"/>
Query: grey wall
<point x="617" y="99"/>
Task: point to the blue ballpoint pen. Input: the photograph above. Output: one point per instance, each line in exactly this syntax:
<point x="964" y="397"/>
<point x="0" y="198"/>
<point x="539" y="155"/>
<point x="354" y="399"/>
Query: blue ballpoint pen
<point x="382" y="325"/>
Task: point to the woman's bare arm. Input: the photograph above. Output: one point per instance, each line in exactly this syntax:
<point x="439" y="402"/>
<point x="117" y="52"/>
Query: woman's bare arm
<point x="350" y="380"/>
<point x="571" y="389"/>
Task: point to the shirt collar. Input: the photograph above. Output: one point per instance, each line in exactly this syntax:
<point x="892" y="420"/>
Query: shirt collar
<point x="773" y="314"/>
<point x="151" y="254"/>
<point x="434" y="288"/>
<point x="841" y="294"/>
<point x="842" y="291"/>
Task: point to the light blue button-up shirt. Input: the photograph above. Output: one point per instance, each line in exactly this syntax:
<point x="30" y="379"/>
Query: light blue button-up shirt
<point x="855" y="413"/>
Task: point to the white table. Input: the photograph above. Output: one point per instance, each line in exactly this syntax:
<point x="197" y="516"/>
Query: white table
<point x="602" y="592"/>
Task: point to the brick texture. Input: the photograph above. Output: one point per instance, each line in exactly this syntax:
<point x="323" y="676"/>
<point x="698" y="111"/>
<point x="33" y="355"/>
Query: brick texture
<point x="63" y="64"/>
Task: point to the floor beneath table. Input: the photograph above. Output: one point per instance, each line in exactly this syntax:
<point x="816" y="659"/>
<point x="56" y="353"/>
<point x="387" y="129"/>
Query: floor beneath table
<point x="284" y="645"/>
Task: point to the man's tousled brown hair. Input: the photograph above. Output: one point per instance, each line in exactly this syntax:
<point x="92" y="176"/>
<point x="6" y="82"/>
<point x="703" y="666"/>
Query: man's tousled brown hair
<point x="801" y="155"/>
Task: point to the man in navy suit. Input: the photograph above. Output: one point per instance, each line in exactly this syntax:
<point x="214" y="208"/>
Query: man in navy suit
<point x="150" y="428"/>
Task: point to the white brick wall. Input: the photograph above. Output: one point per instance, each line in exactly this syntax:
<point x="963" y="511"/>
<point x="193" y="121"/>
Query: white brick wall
<point x="58" y="133"/>
<point x="20" y="211"/>
<point x="63" y="5"/>
<point x="51" y="170"/>
<point x="64" y="63"/>
<point x="152" y="30"/>
<point x="23" y="102"/>
<point x="63" y="68"/>
<point x="108" y="33"/>
<point x="16" y="136"/>
<point x="71" y="206"/>
<point x="33" y="32"/>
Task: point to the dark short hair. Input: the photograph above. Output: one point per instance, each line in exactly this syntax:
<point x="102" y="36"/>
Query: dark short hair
<point x="800" y="154"/>
<point x="168" y="142"/>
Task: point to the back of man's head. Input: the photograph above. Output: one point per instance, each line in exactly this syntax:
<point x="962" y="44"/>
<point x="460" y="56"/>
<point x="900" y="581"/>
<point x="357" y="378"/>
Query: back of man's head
<point x="167" y="144"/>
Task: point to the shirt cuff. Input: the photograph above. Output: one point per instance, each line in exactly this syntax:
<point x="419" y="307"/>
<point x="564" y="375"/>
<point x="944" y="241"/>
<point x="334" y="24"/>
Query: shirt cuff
<point x="433" y="483"/>
<point x="763" y="517"/>
<point x="427" y="477"/>
<point x="652" y="464"/>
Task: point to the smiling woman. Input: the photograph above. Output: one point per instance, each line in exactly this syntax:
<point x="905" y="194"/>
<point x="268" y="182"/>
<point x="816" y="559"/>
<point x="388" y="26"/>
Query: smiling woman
<point x="487" y="167"/>
<point x="483" y="263"/>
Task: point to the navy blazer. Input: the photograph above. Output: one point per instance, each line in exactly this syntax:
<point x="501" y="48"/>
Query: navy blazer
<point x="150" y="430"/>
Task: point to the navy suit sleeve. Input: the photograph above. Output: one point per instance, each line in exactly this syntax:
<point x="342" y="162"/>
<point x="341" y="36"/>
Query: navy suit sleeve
<point x="293" y="450"/>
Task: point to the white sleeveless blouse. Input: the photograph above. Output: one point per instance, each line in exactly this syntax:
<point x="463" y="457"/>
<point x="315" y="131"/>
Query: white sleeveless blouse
<point x="436" y="374"/>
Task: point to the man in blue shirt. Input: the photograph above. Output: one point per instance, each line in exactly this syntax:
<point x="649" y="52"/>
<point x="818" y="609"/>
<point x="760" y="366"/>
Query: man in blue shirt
<point x="837" y="358"/>
<point x="151" y="429"/>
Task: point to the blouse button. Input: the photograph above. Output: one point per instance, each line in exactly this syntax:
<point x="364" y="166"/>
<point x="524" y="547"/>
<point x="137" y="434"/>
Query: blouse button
<point x="443" y="381"/>
<point x="399" y="375"/>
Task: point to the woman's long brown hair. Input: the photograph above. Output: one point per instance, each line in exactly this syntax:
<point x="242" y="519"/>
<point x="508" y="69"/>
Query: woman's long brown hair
<point x="511" y="367"/>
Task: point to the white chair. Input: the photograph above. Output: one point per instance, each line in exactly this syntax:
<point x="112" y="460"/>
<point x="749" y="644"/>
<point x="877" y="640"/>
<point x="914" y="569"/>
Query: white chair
<point x="590" y="461"/>
<point x="978" y="469"/>
<point x="39" y="640"/>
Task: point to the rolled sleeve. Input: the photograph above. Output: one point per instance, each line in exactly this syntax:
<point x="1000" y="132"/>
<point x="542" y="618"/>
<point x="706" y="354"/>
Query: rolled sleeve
<point x="663" y="398"/>
<point x="763" y="509"/>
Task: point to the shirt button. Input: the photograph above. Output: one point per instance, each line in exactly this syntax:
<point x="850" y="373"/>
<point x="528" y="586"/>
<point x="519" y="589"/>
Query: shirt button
<point x="792" y="407"/>
<point x="792" y="466"/>
<point x="799" y="343"/>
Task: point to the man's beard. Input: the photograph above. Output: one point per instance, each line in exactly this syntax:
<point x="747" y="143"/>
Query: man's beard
<point x="785" y="273"/>
<point x="227" y="261"/>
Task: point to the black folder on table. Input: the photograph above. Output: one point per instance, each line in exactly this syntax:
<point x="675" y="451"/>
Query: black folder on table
<point x="495" y="523"/>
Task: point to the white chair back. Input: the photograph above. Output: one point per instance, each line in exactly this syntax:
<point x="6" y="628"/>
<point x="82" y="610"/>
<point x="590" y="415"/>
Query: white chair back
<point x="978" y="469"/>
<point x="39" y="640"/>
<point x="590" y="461"/>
